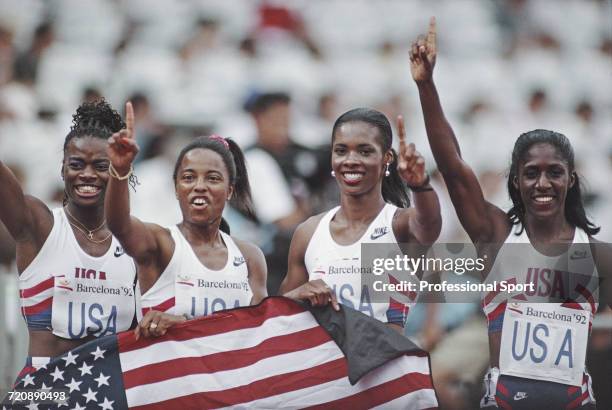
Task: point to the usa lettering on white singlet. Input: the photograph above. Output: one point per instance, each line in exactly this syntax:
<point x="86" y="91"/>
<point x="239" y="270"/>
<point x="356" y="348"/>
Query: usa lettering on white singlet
<point x="86" y="304"/>
<point x="339" y="266"/>
<point x="200" y="291"/>
<point x="544" y="341"/>
<point x="199" y="295"/>
<point x="92" y="296"/>
<point x="343" y="275"/>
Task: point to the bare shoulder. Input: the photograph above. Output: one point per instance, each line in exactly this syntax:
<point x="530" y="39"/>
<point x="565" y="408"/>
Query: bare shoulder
<point x="500" y="225"/>
<point x="162" y="244"/>
<point x="36" y="205"/>
<point x="306" y="229"/>
<point x="248" y="249"/>
<point x="41" y="214"/>
<point x="602" y="254"/>
<point x="39" y="222"/>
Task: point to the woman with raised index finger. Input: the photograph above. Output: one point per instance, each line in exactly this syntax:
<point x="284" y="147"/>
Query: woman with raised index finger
<point x="374" y="207"/>
<point x="194" y="268"/>
<point x="547" y="210"/>
<point x="66" y="256"/>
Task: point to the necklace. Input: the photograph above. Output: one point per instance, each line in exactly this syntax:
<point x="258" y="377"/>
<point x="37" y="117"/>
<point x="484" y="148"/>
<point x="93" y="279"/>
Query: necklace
<point x="85" y="231"/>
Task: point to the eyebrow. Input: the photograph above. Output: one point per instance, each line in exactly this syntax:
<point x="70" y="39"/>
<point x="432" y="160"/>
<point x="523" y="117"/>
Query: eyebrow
<point x="363" y="145"/>
<point x="195" y="172"/>
<point x="554" y="164"/>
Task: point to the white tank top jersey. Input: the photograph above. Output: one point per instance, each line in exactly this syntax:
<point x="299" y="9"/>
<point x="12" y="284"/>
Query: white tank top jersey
<point x="187" y="287"/>
<point x="340" y="267"/>
<point x="544" y="341"/>
<point x="75" y="294"/>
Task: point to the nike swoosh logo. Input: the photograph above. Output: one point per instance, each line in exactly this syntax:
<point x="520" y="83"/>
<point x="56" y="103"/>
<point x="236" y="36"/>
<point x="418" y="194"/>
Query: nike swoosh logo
<point x="578" y="255"/>
<point x="239" y="262"/>
<point x="118" y="252"/>
<point x="377" y="235"/>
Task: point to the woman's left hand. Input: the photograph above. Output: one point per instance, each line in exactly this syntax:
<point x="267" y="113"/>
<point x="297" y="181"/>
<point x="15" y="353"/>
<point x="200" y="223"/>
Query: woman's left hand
<point x="410" y="163"/>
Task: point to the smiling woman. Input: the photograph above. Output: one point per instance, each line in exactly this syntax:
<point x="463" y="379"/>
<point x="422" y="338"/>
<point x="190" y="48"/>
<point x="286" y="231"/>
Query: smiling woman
<point x="374" y="208"/>
<point x="547" y="213"/>
<point x="542" y="177"/>
<point x="65" y="256"/>
<point x="194" y="268"/>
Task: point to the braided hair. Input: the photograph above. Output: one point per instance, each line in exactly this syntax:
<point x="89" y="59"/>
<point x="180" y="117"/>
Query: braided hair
<point x="95" y="119"/>
<point x="99" y="120"/>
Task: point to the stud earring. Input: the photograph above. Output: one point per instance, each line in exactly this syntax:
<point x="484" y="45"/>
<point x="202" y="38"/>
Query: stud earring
<point x="387" y="172"/>
<point x="333" y="174"/>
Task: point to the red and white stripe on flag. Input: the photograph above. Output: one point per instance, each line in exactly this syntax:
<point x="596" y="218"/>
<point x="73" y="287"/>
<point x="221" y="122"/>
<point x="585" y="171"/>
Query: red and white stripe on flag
<point x="274" y="355"/>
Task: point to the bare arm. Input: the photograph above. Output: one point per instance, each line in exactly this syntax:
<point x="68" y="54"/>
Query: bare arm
<point x="480" y="219"/>
<point x="602" y="253"/>
<point x="25" y="218"/>
<point x="296" y="273"/>
<point x="7" y="246"/>
<point x="296" y="284"/>
<point x="423" y="221"/>
<point x="150" y="245"/>
<point x="258" y="270"/>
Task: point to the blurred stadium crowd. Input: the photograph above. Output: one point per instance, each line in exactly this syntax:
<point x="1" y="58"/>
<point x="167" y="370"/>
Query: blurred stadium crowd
<point x="274" y="75"/>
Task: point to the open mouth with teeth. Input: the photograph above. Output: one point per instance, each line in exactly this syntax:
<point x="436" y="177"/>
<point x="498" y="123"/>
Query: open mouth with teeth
<point x="544" y="199"/>
<point x="199" y="202"/>
<point x="352" y="178"/>
<point x="87" y="191"/>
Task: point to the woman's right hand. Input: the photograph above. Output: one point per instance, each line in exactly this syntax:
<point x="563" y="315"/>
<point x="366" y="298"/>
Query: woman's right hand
<point x="317" y="292"/>
<point x="122" y="147"/>
<point x="156" y="323"/>
<point x="423" y="55"/>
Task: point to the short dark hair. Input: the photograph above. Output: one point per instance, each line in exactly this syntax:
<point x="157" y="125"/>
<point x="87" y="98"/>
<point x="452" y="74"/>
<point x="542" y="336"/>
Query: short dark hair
<point x="261" y="102"/>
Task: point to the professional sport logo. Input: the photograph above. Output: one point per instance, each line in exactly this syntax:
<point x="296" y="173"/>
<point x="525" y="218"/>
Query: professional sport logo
<point x="239" y="260"/>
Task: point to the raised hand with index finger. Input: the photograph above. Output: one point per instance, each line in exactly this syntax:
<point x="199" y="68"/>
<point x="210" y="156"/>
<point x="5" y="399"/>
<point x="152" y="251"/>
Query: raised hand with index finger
<point x="410" y="163"/>
<point x="423" y="54"/>
<point x="122" y="147"/>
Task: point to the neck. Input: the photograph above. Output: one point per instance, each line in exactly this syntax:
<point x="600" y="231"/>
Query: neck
<point x="362" y="208"/>
<point x="553" y="229"/>
<point x="91" y="217"/>
<point x="201" y="234"/>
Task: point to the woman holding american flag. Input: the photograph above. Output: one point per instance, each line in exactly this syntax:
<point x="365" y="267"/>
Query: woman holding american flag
<point x="194" y="268"/>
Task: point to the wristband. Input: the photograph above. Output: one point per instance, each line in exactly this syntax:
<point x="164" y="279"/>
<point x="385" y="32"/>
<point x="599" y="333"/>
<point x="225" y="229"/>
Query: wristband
<point x="424" y="187"/>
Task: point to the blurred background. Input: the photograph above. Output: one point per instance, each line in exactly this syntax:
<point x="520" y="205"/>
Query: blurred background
<point x="274" y="75"/>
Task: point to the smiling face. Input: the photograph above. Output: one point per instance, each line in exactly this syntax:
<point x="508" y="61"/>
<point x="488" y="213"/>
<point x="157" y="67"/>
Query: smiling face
<point x="358" y="159"/>
<point x="85" y="171"/>
<point x="202" y="186"/>
<point x="544" y="179"/>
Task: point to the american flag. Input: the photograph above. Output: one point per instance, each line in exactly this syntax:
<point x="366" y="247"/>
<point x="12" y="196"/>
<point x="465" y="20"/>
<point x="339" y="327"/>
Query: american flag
<point x="271" y="356"/>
